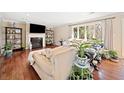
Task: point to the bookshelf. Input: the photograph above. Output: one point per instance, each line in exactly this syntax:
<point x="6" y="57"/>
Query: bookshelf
<point x="14" y="36"/>
<point x="49" y="37"/>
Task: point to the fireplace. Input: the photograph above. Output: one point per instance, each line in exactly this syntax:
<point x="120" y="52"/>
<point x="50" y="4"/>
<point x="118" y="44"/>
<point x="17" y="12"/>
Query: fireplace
<point x="36" y="42"/>
<point x="39" y="38"/>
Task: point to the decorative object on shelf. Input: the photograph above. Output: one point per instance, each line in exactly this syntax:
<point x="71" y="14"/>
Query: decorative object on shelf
<point x="14" y="24"/>
<point x="14" y="36"/>
<point x="49" y="37"/>
<point x="23" y="47"/>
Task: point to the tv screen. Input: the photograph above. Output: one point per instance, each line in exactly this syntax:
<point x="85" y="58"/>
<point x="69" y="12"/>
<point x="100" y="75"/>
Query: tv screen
<point x="34" y="28"/>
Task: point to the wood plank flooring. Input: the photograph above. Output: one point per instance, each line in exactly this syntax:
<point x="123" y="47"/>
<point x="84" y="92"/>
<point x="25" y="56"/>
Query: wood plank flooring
<point x="109" y="70"/>
<point x="17" y="68"/>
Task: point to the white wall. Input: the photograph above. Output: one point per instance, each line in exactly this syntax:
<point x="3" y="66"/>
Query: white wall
<point x="61" y="32"/>
<point x="2" y="34"/>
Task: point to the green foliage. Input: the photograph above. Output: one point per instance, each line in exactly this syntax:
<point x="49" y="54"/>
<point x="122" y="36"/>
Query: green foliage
<point x="113" y="54"/>
<point x="81" y="48"/>
<point x="80" y="74"/>
<point x="95" y="41"/>
<point x="8" y="46"/>
<point x="105" y="54"/>
<point x="109" y="54"/>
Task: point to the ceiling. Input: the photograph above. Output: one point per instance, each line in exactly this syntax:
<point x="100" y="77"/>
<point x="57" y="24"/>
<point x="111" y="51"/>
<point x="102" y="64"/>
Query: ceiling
<point x="52" y="19"/>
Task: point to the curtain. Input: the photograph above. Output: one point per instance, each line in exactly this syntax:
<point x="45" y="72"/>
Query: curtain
<point x="108" y="35"/>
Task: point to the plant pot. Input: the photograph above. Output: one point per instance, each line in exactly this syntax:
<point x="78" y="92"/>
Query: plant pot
<point x="82" y="61"/>
<point x="114" y="60"/>
<point x="8" y="53"/>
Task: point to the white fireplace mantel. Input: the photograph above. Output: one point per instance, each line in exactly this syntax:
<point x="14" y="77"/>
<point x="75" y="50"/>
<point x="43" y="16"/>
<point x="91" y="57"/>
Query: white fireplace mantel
<point x="36" y="35"/>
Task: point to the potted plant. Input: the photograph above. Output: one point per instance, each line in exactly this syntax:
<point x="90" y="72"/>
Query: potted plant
<point x="113" y="55"/>
<point x="81" y="57"/>
<point x="105" y="54"/>
<point x="110" y="55"/>
<point x="96" y="43"/>
<point x="80" y="73"/>
<point x="7" y="50"/>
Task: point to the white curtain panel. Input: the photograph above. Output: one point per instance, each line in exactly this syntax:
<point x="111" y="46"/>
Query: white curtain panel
<point x="108" y="36"/>
<point x="0" y="35"/>
<point x="122" y="37"/>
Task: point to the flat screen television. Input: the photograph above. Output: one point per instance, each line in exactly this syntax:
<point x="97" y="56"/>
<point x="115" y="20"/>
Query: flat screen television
<point x="34" y="28"/>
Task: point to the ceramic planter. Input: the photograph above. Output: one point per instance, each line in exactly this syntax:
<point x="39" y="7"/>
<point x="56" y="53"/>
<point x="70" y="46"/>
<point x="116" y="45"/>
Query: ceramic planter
<point x="81" y="61"/>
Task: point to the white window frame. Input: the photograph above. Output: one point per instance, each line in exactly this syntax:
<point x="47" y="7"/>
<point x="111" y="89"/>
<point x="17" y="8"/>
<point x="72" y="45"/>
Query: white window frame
<point x="85" y="25"/>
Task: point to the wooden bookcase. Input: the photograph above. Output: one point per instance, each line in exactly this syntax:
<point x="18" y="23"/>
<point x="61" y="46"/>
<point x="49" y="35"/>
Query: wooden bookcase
<point x="49" y="37"/>
<point x="14" y="36"/>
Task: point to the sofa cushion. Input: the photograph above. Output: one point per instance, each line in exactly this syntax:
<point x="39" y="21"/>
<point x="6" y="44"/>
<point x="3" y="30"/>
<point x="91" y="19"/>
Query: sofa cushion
<point x="47" y="52"/>
<point x="43" y="62"/>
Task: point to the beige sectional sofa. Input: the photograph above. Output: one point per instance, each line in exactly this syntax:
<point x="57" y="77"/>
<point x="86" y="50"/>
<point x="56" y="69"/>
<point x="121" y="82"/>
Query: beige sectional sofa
<point x="56" y="66"/>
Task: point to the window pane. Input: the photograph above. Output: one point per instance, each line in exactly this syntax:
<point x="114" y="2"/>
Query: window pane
<point x="75" y="32"/>
<point x="89" y="31"/>
<point x="98" y="31"/>
<point x="82" y="32"/>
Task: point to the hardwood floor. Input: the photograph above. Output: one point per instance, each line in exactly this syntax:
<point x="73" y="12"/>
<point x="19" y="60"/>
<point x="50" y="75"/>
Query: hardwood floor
<point x="17" y="68"/>
<point x="109" y="70"/>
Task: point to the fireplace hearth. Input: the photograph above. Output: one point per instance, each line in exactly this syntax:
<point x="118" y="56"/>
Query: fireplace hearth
<point x="36" y="42"/>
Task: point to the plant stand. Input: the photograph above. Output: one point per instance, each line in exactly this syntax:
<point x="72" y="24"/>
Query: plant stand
<point x="80" y="72"/>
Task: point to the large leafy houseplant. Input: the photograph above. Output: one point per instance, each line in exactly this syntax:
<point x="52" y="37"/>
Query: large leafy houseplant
<point x="113" y="54"/>
<point x="78" y="73"/>
<point x="105" y="54"/>
<point x="110" y="55"/>
<point x="7" y="50"/>
<point x="81" y="47"/>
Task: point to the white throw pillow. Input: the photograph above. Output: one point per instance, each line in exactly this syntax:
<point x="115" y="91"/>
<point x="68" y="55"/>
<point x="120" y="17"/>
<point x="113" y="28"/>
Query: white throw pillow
<point x="47" y="52"/>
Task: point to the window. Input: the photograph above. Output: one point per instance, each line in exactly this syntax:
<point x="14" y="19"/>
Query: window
<point x="98" y="31"/>
<point x="88" y="31"/>
<point x="82" y="32"/>
<point x="75" y="32"/>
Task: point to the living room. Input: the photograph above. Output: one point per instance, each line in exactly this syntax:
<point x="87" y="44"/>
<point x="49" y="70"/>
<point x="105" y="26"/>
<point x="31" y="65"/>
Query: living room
<point x="58" y="31"/>
<point x="83" y="49"/>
